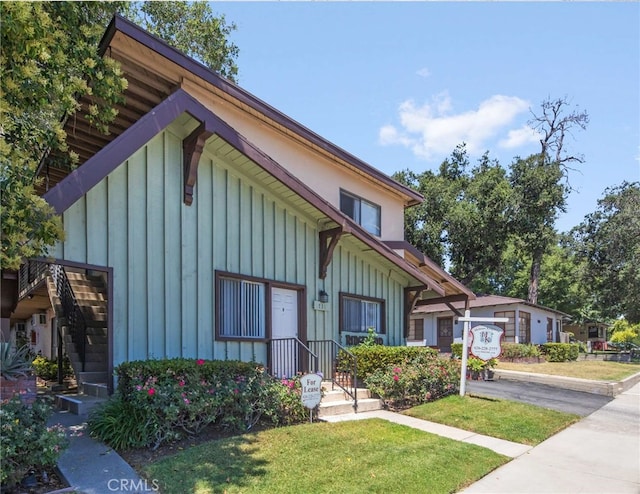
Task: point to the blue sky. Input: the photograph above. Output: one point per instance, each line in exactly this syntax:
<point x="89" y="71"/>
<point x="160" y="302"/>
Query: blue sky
<point x="399" y="84"/>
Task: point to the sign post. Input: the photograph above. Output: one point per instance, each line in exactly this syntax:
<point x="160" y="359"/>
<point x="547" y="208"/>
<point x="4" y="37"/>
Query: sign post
<point x="311" y="392"/>
<point x="467" y="319"/>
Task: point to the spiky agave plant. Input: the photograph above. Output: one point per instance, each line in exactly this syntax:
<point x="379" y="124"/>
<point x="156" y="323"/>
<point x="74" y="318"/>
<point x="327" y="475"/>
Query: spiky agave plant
<point x="14" y="363"/>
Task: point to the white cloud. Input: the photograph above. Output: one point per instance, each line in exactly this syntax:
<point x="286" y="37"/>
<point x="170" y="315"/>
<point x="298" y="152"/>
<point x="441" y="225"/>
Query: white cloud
<point x="434" y="129"/>
<point x="520" y="137"/>
<point x="424" y="72"/>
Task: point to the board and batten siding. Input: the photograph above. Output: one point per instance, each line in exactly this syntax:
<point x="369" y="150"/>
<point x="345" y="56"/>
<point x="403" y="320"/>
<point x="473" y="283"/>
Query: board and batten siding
<point x="164" y="254"/>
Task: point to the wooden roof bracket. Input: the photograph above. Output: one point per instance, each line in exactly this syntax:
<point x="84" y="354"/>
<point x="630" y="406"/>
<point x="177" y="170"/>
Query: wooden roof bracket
<point x="328" y="241"/>
<point x="192" y="148"/>
<point x="411" y="296"/>
<point x="454" y="310"/>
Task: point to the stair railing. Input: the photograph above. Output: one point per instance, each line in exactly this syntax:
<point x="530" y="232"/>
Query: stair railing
<point x="71" y="311"/>
<point x="30" y="275"/>
<point x="340" y="365"/>
<point x="288" y="356"/>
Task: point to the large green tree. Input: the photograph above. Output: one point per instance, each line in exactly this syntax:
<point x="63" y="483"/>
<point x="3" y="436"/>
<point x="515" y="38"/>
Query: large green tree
<point x="608" y="242"/>
<point x="463" y="220"/>
<point x="541" y="182"/>
<point x="538" y="195"/>
<point x="49" y="60"/>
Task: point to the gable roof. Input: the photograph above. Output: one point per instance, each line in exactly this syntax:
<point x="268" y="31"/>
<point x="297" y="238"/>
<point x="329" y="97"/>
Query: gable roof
<point x="84" y="178"/>
<point x="140" y="121"/>
<point x="167" y="69"/>
<point x="483" y="301"/>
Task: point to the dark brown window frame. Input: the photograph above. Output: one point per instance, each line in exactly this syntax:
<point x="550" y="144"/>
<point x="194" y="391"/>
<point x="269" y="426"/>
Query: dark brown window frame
<point x="413" y="330"/>
<point x="383" y="311"/>
<point x="362" y="199"/>
<point x="269" y="284"/>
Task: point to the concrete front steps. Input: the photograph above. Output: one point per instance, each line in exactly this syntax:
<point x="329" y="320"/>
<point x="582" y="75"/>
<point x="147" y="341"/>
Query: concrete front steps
<point x="336" y="402"/>
<point x="78" y="404"/>
<point x="91" y="395"/>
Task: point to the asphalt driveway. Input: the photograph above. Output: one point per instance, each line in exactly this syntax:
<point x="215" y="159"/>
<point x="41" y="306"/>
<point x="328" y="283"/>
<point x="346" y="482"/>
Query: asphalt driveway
<point x="542" y="395"/>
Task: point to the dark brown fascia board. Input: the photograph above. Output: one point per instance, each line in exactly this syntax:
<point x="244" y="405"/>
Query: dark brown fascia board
<point x="85" y="177"/>
<point x="119" y="23"/>
<point x="404" y="245"/>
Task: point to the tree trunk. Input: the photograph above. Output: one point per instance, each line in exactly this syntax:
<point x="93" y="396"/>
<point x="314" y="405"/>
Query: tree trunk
<point x="534" y="277"/>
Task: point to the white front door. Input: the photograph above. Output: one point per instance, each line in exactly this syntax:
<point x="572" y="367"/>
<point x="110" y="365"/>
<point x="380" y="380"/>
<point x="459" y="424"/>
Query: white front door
<point x="284" y="325"/>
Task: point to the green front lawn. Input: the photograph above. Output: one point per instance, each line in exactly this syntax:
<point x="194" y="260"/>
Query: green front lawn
<point x="364" y="456"/>
<point x="517" y="422"/>
<point x="596" y="370"/>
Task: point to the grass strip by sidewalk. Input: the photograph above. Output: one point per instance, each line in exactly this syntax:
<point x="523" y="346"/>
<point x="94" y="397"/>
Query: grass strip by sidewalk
<point x="362" y="456"/>
<point x="596" y="370"/>
<point x="510" y="420"/>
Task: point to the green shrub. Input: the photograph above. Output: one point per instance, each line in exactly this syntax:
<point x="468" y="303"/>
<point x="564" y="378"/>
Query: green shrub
<point x="172" y="397"/>
<point x="25" y="440"/>
<point x="512" y="351"/>
<point x="456" y="350"/>
<point x="47" y="369"/>
<point x="424" y="378"/>
<point x="372" y="358"/>
<point x="121" y="424"/>
<point x="14" y="363"/>
<point x="560" y="352"/>
<point x="284" y="402"/>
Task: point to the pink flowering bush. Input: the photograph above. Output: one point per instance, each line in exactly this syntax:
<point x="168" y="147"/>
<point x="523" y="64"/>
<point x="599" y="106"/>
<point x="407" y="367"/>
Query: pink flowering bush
<point x="419" y="380"/>
<point x="173" y="397"/>
<point x="25" y="440"/>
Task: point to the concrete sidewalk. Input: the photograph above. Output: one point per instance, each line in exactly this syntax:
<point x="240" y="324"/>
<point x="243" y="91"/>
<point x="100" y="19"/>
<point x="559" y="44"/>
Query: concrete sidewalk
<point x="600" y="454"/>
<point x="91" y="467"/>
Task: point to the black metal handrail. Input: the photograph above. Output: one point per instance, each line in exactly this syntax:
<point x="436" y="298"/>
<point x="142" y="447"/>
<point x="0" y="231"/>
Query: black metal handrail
<point x="345" y="376"/>
<point x="30" y="275"/>
<point x="290" y="356"/>
<point x="71" y="311"/>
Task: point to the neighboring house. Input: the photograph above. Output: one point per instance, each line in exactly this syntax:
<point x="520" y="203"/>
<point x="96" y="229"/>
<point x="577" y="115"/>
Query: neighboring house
<point x="593" y="331"/>
<point x="210" y="225"/>
<point x="437" y="324"/>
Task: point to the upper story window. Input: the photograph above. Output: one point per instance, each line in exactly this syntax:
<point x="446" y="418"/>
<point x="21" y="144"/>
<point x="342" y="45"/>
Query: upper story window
<point x="363" y="212"/>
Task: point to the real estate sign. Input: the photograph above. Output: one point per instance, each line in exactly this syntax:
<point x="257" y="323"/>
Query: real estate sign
<point x="486" y="341"/>
<point x="311" y="390"/>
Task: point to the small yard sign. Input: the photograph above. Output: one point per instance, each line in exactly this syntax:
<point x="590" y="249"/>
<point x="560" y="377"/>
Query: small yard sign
<point x="311" y="390"/>
<point x="467" y="319"/>
<point x="486" y="342"/>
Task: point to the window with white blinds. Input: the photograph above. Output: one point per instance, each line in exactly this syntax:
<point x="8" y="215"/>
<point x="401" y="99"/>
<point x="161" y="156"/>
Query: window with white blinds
<point x="242" y="310"/>
<point x="358" y="315"/>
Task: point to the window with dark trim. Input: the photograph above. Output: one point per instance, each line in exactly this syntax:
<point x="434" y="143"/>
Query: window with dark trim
<point x="525" y="327"/>
<point x="508" y="327"/>
<point x="241" y="308"/>
<point x="363" y="212"/>
<point x="358" y="314"/>
<point x="416" y="329"/>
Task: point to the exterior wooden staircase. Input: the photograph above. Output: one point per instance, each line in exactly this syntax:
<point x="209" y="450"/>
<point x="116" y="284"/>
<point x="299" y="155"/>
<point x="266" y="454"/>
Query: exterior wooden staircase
<point x="84" y="336"/>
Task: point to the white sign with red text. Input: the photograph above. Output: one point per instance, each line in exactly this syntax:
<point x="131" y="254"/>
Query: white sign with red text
<point x="486" y="342"/>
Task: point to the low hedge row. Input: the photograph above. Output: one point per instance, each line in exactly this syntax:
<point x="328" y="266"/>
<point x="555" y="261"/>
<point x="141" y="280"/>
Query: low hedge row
<point x="560" y="352"/>
<point x="372" y="358"/>
<point x="552" y="352"/>
<point x="160" y="400"/>
<point x="423" y="378"/>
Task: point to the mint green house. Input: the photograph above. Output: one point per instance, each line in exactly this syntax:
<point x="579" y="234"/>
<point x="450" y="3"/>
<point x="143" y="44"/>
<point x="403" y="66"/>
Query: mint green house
<point x="210" y="225"/>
